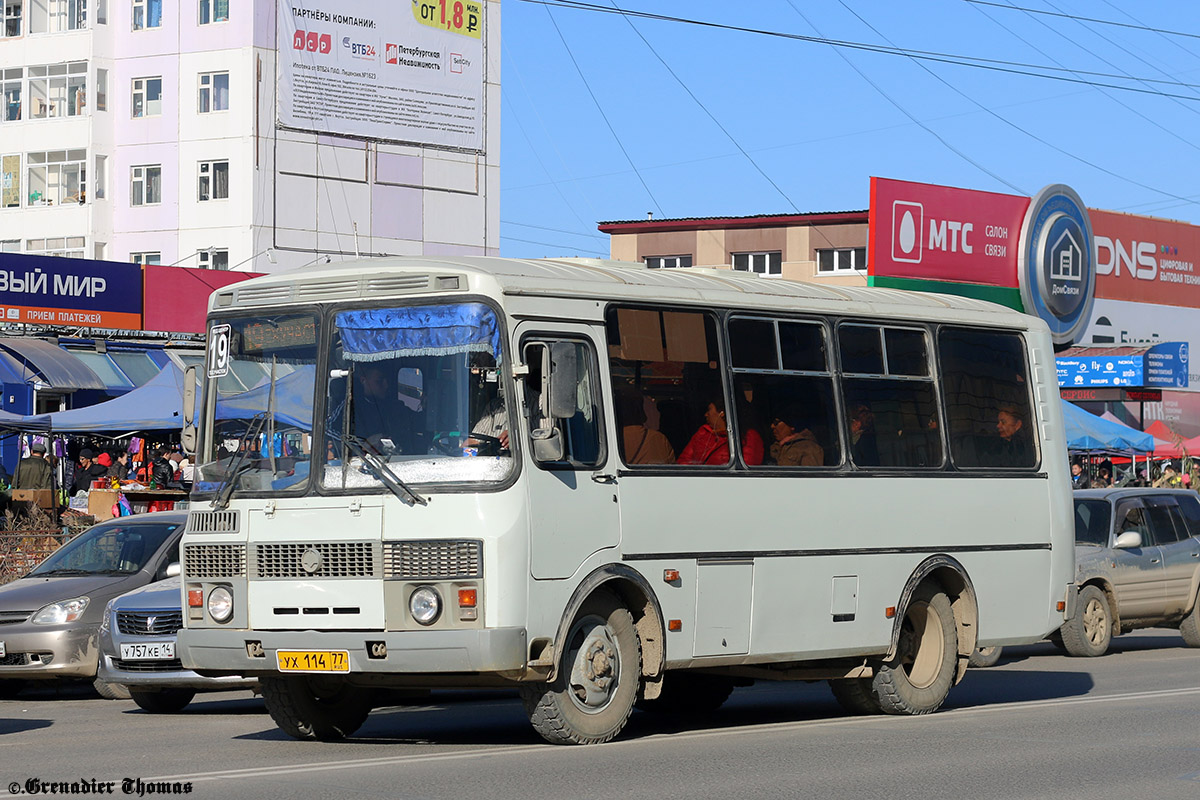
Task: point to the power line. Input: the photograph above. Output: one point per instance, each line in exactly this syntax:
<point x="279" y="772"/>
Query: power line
<point x="548" y="244"/>
<point x="604" y="116"/>
<point x="1077" y="18"/>
<point x="994" y="65"/>
<point x="554" y="230"/>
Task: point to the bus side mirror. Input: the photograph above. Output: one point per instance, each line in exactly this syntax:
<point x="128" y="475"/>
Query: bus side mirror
<point x="560" y="381"/>
<point x="187" y="437"/>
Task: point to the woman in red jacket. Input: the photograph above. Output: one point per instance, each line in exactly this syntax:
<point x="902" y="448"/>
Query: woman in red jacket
<point x="710" y="444"/>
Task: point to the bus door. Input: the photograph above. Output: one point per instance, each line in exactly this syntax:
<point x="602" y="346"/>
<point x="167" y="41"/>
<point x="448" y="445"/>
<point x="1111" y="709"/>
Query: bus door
<point x="571" y="481"/>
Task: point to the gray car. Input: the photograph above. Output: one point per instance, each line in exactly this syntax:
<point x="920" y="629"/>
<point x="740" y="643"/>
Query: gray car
<point x="1137" y="562"/>
<point x="49" y="619"/>
<point x="137" y="650"/>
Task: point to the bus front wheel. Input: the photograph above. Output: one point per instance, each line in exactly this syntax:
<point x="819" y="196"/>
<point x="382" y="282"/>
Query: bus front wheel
<point x="599" y="673"/>
<point x="917" y="679"/>
<point x="321" y="709"/>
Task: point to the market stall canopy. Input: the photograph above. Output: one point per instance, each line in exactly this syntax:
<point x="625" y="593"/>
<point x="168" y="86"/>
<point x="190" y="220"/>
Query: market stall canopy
<point x="155" y="406"/>
<point x="1160" y="430"/>
<point x="55" y="366"/>
<point x="293" y="399"/>
<point x="1088" y="432"/>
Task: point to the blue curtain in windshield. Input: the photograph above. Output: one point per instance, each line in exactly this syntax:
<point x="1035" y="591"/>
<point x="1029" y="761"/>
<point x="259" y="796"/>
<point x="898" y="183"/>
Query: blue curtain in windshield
<point x="379" y="334"/>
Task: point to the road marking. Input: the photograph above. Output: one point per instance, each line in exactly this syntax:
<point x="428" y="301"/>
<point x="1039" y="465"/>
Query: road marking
<point x="417" y="758"/>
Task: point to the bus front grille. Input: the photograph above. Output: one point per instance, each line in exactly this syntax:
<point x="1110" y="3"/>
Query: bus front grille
<point x="445" y="560"/>
<point x="212" y="522"/>
<point x="214" y="561"/>
<point x="315" y="560"/>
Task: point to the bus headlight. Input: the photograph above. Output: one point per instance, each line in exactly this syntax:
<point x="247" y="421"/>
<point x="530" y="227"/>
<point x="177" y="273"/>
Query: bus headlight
<point x="220" y="604"/>
<point x="425" y="605"/>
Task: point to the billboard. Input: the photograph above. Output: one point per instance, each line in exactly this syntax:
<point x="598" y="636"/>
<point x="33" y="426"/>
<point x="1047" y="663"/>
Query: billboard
<point x="1164" y="365"/>
<point x="46" y="290"/>
<point x="929" y="232"/>
<point x="1146" y="260"/>
<point x="406" y="72"/>
<point x="177" y="297"/>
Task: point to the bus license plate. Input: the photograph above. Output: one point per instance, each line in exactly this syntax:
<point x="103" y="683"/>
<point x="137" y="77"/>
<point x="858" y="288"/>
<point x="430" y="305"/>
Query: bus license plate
<point x="312" y="660"/>
<point x="158" y="651"/>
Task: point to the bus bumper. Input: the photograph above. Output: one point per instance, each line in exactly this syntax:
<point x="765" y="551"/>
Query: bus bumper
<point x="404" y="652"/>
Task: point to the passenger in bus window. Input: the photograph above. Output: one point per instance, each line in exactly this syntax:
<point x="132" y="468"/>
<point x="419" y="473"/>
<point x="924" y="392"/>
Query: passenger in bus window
<point x="864" y="449"/>
<point x="380" y="419"/>
<point x="710" y="443"/>
<point x="1013" y="448"/>
<point x="794" y="445"/>
<point x="641" y="443"/>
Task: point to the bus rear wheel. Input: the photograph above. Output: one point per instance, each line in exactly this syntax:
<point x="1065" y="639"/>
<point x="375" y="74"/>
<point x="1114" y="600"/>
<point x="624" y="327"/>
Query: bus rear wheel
<point x="918" y="678"/>
<point x="599" y="674"/>
<point x="316" y="709"/>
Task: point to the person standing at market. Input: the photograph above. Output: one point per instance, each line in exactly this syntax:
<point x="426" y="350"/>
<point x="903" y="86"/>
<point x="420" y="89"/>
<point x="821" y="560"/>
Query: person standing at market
<point x="120" y="466"/>
<point x="33" y="471"/>
<point x="162" y="470"/>
<point x="86" y="471"/>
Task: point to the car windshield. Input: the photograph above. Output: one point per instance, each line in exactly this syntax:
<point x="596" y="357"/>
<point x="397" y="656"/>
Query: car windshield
<point x="261" y="374"/>
<point x="108" y="549"/>
<point x="419" y="388"/>
<point x="1093" y="518"/>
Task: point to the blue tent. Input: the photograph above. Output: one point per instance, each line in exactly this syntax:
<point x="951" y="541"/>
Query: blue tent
<point x="1088" y="432"/>
<point x="293" y="399"/>
<point x="155" y="406"/>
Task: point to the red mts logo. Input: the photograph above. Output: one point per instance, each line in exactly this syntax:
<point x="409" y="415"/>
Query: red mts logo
<point x="313" y="42"/>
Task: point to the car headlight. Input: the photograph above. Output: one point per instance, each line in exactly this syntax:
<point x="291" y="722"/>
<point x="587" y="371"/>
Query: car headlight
<point x="107" y="613"/>
<point x="61" y="612"/>
<point x="220" y="604"/>
<point x="425" y="605"/>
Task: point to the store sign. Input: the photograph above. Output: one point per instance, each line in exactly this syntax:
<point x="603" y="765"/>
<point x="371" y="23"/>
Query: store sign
<point x="45" y="290"/>
<point x="1146" y="260"/>
<point x="1054" y="262"/>
<point x="918" y="230"/>
<point x="1112" y="395"/>
<point x="1163" y="365"/>
<point x="362" y="68"/>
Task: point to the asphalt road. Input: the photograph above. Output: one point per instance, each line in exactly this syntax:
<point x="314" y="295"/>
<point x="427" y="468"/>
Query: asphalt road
<point x="1037" y="725"/>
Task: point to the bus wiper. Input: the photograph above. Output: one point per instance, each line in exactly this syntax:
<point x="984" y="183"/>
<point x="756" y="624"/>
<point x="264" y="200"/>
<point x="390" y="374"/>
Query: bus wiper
<point x="383" y="472"/>
<point x="237" y="466"/>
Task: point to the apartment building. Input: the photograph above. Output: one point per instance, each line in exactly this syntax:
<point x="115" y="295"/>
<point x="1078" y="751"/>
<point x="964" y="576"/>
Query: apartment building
<point x="228" y="134"/>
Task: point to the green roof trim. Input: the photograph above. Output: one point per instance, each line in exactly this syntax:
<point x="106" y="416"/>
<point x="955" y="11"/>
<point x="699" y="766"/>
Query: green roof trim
<point x="1003" y="295"/>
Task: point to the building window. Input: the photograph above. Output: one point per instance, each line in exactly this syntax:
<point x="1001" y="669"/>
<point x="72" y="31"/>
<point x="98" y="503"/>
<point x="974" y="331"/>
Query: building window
<point x="214" y="92"/>
<point x="57" y="90"/>
<point x="10" y="23"/>
<point x="214" y="11"/>
<point x="10" y="94"/>
<point x="842" y="259"/>
<point x="10" y="181"/>
<point x="761" y="263"/>
<point x="147" y="97"/>
<point x="57" y="177"/>
<point x="214" y="181"/>
<point x="212" y="258"/>
<point x="145" y="185"/>
<point x="69" y="246"/>
<point x="668" y="262"/>
<point x="10" y="245"/>
<point x="147" y="14"/>
<point x="102" y="90"/>
<point x="56" y="16"/>
<point x="154" y="258"/>
<point x="99" y="180"/>
<point x="102" y="12"/>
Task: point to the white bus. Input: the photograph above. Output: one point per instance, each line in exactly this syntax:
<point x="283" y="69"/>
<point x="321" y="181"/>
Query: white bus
<point x="479" y="472"/>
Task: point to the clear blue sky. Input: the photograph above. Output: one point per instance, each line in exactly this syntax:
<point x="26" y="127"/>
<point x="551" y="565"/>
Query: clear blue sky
<point x="779" y="125"/>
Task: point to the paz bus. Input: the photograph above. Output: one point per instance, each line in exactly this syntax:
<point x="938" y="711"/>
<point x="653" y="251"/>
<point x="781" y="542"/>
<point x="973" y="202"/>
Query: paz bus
<point x="609" y="487"/>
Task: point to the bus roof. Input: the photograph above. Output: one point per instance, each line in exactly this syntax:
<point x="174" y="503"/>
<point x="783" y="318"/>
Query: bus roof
<point x="590" y="278"/>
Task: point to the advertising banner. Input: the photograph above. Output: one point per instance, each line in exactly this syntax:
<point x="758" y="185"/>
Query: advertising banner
<point x="46" y="290"/>
<point x="1146" y="260"/>
<point x="918" y="230"/>
<point x="1163" y="365"/>
<point x="177" y="297"/>
<point x="407" y="72"/>
<point x="1127" y="323"/>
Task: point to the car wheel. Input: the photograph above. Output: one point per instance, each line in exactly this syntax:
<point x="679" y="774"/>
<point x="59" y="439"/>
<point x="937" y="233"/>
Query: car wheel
<point x="689" y="693"/>
<point x="592" y="695"/>
<point x="855" y="695"/>
<point x="919" y="676"/>
<point x="111" y="691"/>
<point x="163" y="701"/>
<point x="1089" y="632"/>
<point x="321" y="709"/>
<point x="10" y="688"/>
<point x="985" y="656"/>
<point x="1190" y="626"/>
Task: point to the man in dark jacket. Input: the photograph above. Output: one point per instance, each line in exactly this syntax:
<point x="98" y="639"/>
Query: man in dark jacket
<point x="87" y="471"/>
<point x="33" y="471"/>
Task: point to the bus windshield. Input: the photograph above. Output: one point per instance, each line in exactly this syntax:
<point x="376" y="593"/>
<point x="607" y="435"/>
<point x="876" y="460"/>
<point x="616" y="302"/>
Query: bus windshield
<point x="415" y="392"/>
<point x="261" y="374"/>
